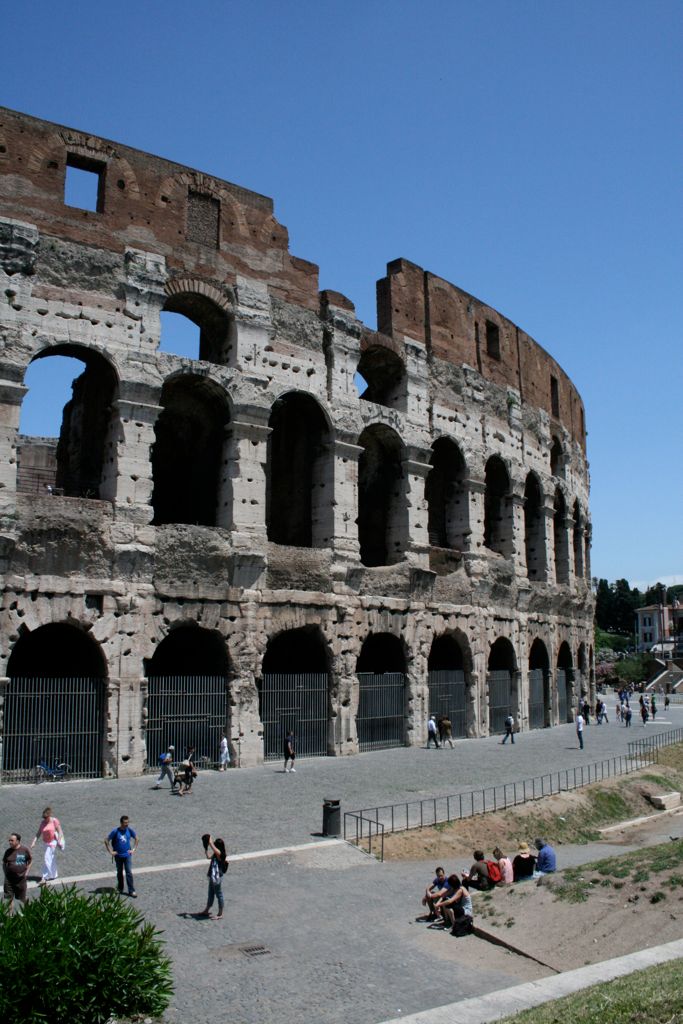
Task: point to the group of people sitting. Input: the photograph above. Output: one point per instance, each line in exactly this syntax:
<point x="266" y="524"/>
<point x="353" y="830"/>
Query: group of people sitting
<point x="448" y="900"/>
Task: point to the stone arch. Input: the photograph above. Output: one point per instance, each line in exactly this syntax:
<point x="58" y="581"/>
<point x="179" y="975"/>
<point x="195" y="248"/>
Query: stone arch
<point x="446" y="496"/>
<point x="534" y="529"/>
<point x="83" y="464"/>
<point x="557" y="457"/>
<point x="299" y="473"/>
<point x="539" y="685"/>
<point x="54" y="703"/>
<point x="503" y="683"/>
<point x="382" y="516"/>
<point x="497" y="507"/>
<point x="384" y="372"/>
<point x="449" y="675"/>
<point x="560" y="537"/>
<point x="188" y="450"/>
<point x="381" y="668"/>
<point x="188" y="694"/>
<point x="566" y="691"/>
<point x="294" y="692"/>
<point x="210" y="310"/>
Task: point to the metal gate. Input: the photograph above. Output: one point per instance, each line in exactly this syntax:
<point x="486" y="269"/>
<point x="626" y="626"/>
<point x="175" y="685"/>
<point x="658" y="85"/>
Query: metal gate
<point x="296" y="702"/>
<point x="561" y="696"/>
<point x="447" y="698"/>
<point x="537" y="709"/>
<point x="380" y="721"/>
<point x="186" y="711"/>
<point x="500" y="699"/>
<point x="52" y="720"/>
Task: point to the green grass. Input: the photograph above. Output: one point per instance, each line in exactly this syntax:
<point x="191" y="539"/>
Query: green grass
<point x="575" y="884"/>
<point x="652" y="996"/>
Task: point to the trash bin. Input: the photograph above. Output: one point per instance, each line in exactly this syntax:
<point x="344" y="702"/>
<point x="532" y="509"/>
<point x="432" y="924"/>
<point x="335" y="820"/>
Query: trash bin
<point x="331" y="817"/>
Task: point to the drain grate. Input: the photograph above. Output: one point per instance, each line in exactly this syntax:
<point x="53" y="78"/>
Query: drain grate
<point x="255" y="950"/>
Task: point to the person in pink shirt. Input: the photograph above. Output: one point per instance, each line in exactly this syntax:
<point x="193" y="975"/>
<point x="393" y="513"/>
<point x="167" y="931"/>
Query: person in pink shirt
<point x="505" y="865"/>
<point x="50" y="831"/>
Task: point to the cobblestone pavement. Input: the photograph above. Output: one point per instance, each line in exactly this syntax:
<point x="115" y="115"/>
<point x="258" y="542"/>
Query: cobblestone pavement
<point x="337" y="927"/>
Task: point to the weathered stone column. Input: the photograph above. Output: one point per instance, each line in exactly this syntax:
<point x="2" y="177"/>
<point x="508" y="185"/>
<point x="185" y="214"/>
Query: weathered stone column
<point x="11" y="396"/>
<point x="242" y="488"/>
<point x="518" y="540"/>
<point x="548" y="525"/>
<point x="127" y="478"/>
<point x="415" y="543"/>
<point x="344" y="501"/>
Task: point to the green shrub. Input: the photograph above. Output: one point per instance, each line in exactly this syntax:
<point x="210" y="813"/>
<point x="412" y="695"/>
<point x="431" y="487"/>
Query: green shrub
<point x="75" y="959"/>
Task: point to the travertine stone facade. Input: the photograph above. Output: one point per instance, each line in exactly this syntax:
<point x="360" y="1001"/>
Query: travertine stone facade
<point x="251" y="492"/>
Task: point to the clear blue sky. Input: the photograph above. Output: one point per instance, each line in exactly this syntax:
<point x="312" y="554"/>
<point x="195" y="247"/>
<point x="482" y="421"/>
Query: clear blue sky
<point x="530" y="152"/>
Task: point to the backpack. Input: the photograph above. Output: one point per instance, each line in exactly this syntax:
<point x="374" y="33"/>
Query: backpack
<point x="164" y="759"/>
<point x="495" y="874"/>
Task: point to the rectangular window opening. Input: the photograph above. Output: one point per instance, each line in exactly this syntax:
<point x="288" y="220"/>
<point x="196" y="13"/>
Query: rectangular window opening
<point x="84" y="184"/>
<point x="492" y="340"/>
<point x="554" y="397"/>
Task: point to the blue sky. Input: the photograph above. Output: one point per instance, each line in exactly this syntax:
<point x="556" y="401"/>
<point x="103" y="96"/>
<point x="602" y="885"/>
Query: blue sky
<point x="530" y="152"/>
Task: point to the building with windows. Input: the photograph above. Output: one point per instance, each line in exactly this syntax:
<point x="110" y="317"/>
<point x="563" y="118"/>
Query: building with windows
<point x="659" y="629"/>
<point x="241" y="540"/>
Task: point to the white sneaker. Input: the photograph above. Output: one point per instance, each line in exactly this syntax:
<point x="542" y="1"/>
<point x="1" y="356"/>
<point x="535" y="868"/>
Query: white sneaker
<point x="288" y="769"/>
<point x="292" y="769"/>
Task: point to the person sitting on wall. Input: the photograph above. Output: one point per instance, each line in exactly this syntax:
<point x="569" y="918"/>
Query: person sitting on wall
<point x="524" y="863"/>
<point x="478" y="875"/>
<point x="546" y="862"/>
<point x="435" y="892"/>
<point x="456" y="908"/>
<point x="505" y="865"/>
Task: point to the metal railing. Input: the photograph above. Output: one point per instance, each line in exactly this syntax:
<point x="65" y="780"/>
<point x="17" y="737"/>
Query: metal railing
<point x="436" y="810"/>
<point x="655" y="742"/>
<point x="359" y="822"/>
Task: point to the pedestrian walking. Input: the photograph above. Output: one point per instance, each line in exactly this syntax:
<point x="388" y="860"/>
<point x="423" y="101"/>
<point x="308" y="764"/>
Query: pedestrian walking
<point x="165" y="763"/>
<point x="509" y="729"/>
<point x="666" y="702"/>
<point x="289" y="752"/>
<point x="16" y="861"/>
<point x="627" y="715"/>
<point x="579" y="728"/>
<point x="586" y="712"/>
<point x="50" y="831"/>
<point x="188" y="772"/>
<point x="653" y="708"/>
<point x="644" y="714"/>
<point x="617" y="711"/>
<point x="121" y="843"/>
<point x="432" y="732"/>
<point x="224" y="754"/>
<point x="215" y="851"/>
<point x="447" y="731"/>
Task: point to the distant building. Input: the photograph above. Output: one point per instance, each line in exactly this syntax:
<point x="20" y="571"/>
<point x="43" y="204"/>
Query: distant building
<point x="659" y="629"/>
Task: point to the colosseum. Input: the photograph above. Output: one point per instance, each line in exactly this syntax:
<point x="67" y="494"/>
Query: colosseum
<point x="308" y="525"/>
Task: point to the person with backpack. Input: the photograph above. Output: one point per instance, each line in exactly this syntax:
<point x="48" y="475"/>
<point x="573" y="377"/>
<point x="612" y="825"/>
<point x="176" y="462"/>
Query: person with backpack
<point x="166" y="772"/>
<point x="479" y="875"/>
<point x="215" y="851"/>
<point x="509" y="729"/>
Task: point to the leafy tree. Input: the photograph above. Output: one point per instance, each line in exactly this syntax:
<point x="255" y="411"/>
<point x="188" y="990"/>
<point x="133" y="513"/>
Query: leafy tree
<point x="75" y="959"/>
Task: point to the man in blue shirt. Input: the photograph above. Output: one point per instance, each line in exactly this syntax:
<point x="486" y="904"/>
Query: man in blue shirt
<point x="121" y="843"/>
<point x="546" y="862"/>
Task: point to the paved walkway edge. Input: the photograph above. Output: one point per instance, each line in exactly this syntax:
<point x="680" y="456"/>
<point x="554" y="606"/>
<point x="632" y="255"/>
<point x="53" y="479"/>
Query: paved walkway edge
<point x="508" y="1001"/>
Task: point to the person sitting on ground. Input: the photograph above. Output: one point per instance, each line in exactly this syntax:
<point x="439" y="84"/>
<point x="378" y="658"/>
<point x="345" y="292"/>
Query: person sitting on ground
<point x="546" y="863"/>
<point x="524" y="863"/>
<point x="456" y="908"/>
<point x="478" y="875"/>
<point x="434" y="892"/>
<point x="505" y="865"/>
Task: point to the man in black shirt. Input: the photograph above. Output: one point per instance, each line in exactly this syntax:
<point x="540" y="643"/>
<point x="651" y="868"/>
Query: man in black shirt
<point x="16" y="862"/>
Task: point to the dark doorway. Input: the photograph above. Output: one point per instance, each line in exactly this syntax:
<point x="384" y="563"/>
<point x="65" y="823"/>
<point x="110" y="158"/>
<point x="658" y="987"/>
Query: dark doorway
<point x="534" y="528"/>
<point x="566" y="698"/>
<point x="294" y="693"/>
<point x="447" y="683"/>
<point x="500" y="678"/>
<point x="497" y="515"/>
<point x="447" y="500"/>
<point x="380" y="721"/>
<point x="539" y="686"/>
<point x="381" y="515"/>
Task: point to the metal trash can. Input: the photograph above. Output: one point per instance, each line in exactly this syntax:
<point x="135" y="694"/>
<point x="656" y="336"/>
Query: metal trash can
<point x="332" y="817"/>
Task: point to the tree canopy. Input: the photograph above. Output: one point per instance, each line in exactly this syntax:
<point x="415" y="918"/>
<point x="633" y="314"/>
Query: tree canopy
<point x="616" y="603"/>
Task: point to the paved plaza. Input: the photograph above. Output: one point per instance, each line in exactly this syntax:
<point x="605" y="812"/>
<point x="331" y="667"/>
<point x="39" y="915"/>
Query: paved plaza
<point x="317" y="932"/>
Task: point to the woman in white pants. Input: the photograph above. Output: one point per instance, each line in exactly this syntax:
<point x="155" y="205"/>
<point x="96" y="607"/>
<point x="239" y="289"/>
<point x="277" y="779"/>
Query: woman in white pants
<point x="50" y="831"/>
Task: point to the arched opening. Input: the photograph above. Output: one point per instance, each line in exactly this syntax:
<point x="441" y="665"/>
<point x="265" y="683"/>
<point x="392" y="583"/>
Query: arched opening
<point x="556" y="457"/>
<point x="382" y="516"/>
<point x="446" y="496"/>
<point x="566" y="696"/>
<point x="187" y="695"/>
<point x="448" y="683"/>
<point x="539" y="686"/>
<point x="578" y="542"/>
<point x="195" y="327"/>
<point x="299" y="474"/>
<point x="381" y="671"/>
<point x="587" y="551"/>
<point x="384" y="374"/>
<point x="294" y="693"/>
<point x="497" y="510"/>
<point x="72" y="396"/>
<point x="187" y="451"/>
<point x="560" y="538"/>
<point x="502" y="684"/>
<point x="534" y="528"/>
<point x="54" y="705"/>
<point x="583" y="686"/>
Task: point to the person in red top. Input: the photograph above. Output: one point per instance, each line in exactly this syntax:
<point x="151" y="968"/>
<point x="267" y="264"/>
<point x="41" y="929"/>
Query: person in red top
<point x="50" y="831"/>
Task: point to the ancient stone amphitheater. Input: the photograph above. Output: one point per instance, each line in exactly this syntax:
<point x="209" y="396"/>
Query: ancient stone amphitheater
<point x="309" y="525"/>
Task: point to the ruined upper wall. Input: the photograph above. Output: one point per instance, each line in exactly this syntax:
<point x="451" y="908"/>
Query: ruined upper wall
<point x="458" y="328"/>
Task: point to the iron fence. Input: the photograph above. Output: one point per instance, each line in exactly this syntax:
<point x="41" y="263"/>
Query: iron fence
<point x="413" y="814"/>
<point x="298" y="703"/>
<point x="185" y="711"/>
<point x="380" y="722"/>
<point x="537" y="698"/>
<point x="655" y="742"/>
<point x="500" y="699"/>
<point x="447" y="698"/>
<point x="562" y="702"/>
<point x="363" y="829"/>
<point x="52" y="720"/>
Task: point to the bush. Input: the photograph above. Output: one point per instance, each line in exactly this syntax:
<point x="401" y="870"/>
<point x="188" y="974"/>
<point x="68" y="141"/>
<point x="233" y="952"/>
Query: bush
<point x="74" y="959"/>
